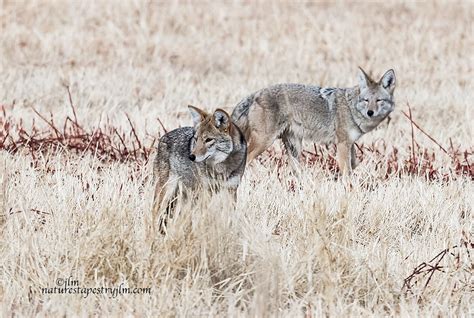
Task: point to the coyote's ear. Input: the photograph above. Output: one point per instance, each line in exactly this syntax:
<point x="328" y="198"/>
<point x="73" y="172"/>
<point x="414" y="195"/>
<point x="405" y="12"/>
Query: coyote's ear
<point x="388" y="81"/>
<point x="363" y="79"/>
<point x="221" y="119"/>
<point x="197" y="114"/>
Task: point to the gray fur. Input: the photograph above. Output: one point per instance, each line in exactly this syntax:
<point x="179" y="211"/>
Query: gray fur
<point x="294" y="112"/>
<point x="173" y="155"/>
<point x="221" y="166"/>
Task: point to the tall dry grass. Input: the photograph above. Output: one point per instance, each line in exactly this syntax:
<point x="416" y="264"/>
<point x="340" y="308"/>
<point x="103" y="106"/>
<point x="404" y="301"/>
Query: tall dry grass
<point x="306" y="247"/>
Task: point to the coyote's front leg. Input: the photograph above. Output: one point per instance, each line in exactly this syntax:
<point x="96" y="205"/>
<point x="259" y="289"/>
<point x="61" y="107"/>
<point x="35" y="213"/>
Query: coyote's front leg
<point x="231" y="186"/>
<point x="344" y="160"/>
<point x="155" y="211"/>
<point x="354" y="161"/>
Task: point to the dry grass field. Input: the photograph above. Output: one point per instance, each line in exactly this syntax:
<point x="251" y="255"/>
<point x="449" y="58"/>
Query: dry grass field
<point x="399" y="242"/>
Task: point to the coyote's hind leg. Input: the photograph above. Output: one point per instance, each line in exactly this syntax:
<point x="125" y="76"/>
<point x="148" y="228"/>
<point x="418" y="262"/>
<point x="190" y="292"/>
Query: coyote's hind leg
<point x="293" y="146"/>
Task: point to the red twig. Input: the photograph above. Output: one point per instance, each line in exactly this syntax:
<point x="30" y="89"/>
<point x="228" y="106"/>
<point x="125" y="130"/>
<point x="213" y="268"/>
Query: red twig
<point x="412" y="135"/>
<point x="420" y="129"/>
<point x="58" y="133"/>
<point x="162" y="126"/>
<point x="71" y="103"/>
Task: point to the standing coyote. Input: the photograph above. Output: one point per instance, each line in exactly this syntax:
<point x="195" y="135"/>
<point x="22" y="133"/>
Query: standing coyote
<point x="293" y="112"/>
<point x="209" y="155"/>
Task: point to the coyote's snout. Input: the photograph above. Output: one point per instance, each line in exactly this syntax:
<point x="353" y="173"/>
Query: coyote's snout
<point x="293" y="112"/>
<point x="210" y="155"/>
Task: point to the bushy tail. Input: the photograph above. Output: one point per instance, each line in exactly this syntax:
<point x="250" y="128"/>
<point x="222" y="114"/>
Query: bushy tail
<point x="241" y="112"/>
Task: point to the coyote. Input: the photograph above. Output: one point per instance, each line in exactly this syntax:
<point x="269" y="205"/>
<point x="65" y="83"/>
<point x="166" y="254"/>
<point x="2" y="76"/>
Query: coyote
<point x="210" y="155"/>
<point x="293" y="112"/>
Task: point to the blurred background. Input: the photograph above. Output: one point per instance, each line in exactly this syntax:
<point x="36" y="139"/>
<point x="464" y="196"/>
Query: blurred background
<point x="151" y="59"/>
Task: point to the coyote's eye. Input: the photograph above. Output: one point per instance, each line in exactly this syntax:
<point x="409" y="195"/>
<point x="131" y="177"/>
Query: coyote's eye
<point x="208" y="140"/>
<point x="366" y="100"/>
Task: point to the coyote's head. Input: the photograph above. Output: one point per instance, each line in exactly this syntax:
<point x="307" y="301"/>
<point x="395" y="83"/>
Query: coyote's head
<point x="212" y="140"/>
<point x="376" y="98"/>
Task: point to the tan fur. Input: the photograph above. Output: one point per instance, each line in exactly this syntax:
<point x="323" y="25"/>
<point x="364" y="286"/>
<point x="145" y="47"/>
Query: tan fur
<point x="293" y="112"/>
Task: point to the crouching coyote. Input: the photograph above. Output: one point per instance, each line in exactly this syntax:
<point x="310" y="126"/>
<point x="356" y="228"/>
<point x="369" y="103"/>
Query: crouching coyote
<point x="293" y="112"/>
<point x="210" y="155"/>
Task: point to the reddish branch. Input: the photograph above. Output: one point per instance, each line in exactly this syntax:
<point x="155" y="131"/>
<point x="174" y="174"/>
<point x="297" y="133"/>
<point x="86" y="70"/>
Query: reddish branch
<point x="109" y="144"/>
<point x="420" y="129"/>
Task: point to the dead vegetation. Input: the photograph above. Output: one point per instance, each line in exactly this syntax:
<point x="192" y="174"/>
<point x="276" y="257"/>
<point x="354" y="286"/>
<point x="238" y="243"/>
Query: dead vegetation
<point x="455" y="262"/>
<point x="82" y="86"/>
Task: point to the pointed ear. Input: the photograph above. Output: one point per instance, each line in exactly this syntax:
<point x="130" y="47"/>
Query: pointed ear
<point x="197" y="114"/>
<point x="221" y="119"/>
<point x="363" y="79"/>
<point x="388" y="81"/>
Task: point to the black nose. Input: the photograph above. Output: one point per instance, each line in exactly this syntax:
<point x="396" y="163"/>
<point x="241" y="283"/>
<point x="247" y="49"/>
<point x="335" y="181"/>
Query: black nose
<point x="370" y="113"/>
<point x="192" y="157"/>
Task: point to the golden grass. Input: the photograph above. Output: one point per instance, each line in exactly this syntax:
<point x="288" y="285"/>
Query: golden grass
<point x="309" y="249"/>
